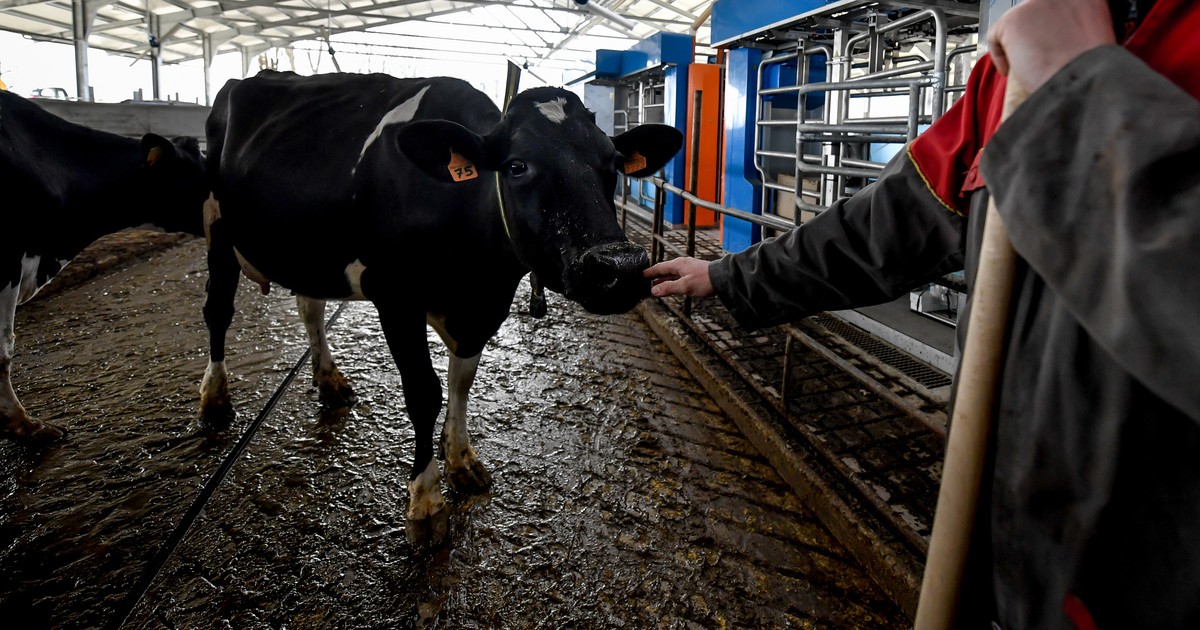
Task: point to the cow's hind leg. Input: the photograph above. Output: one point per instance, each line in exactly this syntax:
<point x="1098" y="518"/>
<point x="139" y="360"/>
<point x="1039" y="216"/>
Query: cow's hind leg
<point x="464" y="471"/>
<point x="14" y="421"/>
<point x="427" y="517"/>
<point x="216" y="407"/>
<point x="334" y="390"/>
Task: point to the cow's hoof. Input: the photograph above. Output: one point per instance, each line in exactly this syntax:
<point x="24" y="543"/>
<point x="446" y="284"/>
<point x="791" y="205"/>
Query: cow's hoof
<point x="430" y="531"/>
<point x="471" y="478"/>
<point x="335" y="391"/>
<point x="217" y="415"/>
<point x="24" y="429"/>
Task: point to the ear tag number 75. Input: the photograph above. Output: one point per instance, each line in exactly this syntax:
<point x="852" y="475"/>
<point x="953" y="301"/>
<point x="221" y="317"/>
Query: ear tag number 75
<point x="461" y="169"/>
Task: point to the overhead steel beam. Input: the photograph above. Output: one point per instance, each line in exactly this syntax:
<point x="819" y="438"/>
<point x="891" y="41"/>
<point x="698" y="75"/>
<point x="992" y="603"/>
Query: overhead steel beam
<point x="421" y="54"/>
<point x="456" y="39"/>
<point x="10" y="4"/>
<point x="622" y="12"/>
<point x="670" y="7"/>
<point x="316" y="36"/>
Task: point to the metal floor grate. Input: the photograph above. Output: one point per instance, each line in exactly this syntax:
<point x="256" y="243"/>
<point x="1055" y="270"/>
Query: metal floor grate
<point x="914" y="369"/>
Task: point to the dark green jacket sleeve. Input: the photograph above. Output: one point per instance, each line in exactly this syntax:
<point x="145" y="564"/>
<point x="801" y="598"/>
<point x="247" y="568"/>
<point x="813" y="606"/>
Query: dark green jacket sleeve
<point x="867" y="249"/>
<point x="1102" y="200"/>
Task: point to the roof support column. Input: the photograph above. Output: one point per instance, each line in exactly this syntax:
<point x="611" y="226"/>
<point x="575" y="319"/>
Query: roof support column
<point x="155" y="53"/>
<point x="247" y="54"/>
<point x="81" y="27"/>
<point x="206" y="44"/>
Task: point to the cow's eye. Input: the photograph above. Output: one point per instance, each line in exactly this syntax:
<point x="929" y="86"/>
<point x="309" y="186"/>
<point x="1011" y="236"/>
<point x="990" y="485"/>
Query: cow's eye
<point x="516" y="168"/>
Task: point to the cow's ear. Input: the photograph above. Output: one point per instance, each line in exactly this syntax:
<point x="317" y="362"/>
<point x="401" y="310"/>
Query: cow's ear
<point x="445" y="150"/>
<point x="157" y="150"/>
<point x="647" y="148"/>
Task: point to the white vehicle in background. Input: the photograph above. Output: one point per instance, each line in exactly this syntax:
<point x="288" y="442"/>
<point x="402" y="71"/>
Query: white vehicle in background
<point x="53" y="93"/>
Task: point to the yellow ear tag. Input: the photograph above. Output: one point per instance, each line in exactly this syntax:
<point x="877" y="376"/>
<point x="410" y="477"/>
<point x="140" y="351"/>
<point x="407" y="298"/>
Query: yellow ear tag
<point x="461" y="169"/>
<point x="635" y="163"/>
<point x="152" y="155"/>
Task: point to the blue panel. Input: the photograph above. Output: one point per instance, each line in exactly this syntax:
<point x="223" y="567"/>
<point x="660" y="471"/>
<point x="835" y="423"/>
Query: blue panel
<point x="608" y="63"/>
<point x="780" y="75"/>
<point x="658" y="49"/>
<point x="743" y="189"/>
<point x="634" y="61"/>
<point x="675" y="98"/>
<point x="817" y="73"/>
<point x="733" y="19"/>
<point x="665" y="48"/>
<point x="676" y="52"/>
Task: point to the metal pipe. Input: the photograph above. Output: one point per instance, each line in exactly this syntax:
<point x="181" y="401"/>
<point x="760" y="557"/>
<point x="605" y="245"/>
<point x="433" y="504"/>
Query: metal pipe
<point x="839" y="137"/>
<point x="884" y="120"/>
<point x="155" y="55"/>
<point x="703" y="17"/>
<point x="843" y="171"/>
<point x="758" y="219"/>
<point x="914" y="111"/>
<point x="776" y="154"/>
<point x="80" y="27"/>
<point x="864" y="163"/>
<point x="776" y="123"/>
<point x="206" y="46"/>
<point x="939" y="52"/>
<point x="855" y="128"/>
<point x="694" y="175"/>
<point x="624" y="199"/>
<point x="607" y="13"/>
<point x="660" y="202"/>
<point x="894" y="72"/>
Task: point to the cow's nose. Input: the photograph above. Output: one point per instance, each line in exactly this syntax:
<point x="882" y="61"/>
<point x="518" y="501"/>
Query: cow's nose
<point x="606" y="265"/>
<point x="608" y="278"/>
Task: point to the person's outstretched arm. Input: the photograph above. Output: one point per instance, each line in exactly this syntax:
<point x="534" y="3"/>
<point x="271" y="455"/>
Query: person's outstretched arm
<point x="905" y="229"/>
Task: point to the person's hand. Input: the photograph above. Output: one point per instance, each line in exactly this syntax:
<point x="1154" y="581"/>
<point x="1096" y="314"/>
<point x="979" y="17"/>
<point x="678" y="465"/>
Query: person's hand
<point x="681" y="276"/>
<point x="1032" y="41"/>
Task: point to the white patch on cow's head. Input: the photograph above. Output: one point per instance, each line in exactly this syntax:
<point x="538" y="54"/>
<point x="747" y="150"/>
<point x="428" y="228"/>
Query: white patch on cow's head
<point x="555" y="110"/>
<point x="401" y="113"/>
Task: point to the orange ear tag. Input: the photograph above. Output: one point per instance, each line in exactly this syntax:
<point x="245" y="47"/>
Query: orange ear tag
<point x="152" y="155"/>
<point x="636" y="162"/>
<point x="461" y="169"/>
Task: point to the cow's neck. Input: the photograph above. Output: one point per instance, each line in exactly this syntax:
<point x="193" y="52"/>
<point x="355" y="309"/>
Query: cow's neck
<point x="113" y="196"/>
<point x="537" y="298"/>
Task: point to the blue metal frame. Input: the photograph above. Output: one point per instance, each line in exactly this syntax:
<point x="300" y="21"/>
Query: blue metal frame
<point x="736" y="19"/>
<point x="673" y="53"/>
<point x="742" y="185"/>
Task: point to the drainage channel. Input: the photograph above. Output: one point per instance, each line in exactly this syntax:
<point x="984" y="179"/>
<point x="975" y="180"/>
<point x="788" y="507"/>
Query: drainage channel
<point x="130" y="602"/>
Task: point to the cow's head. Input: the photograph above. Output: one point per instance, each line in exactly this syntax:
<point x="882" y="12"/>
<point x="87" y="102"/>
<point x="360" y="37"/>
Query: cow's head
<point x="556" y="173"/>
<point x="176" y="183"/>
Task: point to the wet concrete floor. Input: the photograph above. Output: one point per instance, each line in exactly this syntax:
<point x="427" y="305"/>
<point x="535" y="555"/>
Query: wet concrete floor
<point x="622" y="497"/>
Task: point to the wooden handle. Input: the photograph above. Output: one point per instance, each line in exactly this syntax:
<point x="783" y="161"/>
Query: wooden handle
<point x="970" y="425"/>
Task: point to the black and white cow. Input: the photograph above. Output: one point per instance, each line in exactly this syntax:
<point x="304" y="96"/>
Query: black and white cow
<point x="64" y="186"/>
<point x="418" y="195"/>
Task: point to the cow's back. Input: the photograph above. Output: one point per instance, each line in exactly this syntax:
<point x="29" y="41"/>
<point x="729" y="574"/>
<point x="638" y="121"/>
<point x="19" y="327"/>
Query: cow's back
<point x="281" y="125"/>
<point x="283" y="154"/>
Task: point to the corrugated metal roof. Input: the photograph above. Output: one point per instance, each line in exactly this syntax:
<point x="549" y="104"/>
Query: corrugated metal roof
<point x="560" y="33"/>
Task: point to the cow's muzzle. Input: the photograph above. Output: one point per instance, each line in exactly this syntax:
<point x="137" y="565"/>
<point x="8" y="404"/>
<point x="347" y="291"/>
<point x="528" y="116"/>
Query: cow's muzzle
<point x="607" y="279"/>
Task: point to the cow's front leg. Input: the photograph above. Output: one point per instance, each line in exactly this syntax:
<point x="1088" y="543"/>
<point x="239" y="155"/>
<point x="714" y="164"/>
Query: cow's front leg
<point x="15" y="423"/>
<point x="464" y="471"/>
<point x="427" y="519"/>
<point x="216" y="407"/>
<point x="334" y="390"/>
